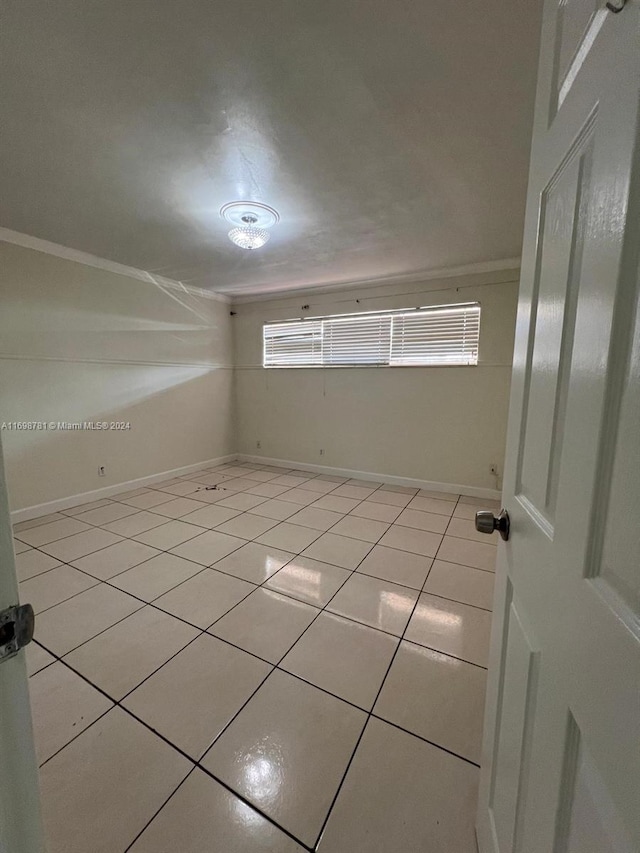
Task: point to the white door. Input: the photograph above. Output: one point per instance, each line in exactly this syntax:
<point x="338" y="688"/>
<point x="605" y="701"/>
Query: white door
<point x="20" y="824"/>
<point x="561" y="755"/>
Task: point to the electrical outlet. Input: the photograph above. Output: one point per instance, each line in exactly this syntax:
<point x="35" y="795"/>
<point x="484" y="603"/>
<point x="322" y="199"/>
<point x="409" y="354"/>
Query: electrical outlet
<point x="258" y="444"/>
<point x="493" y="469"/>
<point x="102" y="471"/>
<point x="321" y="452"/>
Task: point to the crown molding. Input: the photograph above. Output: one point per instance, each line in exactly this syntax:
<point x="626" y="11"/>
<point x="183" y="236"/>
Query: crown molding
<point x="239" y="298"/>
<point x="48" y="248"/>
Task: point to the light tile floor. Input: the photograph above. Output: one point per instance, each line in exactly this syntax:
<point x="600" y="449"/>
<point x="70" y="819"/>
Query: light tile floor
<point x="251" y="658"/>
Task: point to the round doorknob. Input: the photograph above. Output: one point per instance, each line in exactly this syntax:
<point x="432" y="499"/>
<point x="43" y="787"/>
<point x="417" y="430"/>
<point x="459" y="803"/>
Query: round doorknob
<point x="487" y="522"/>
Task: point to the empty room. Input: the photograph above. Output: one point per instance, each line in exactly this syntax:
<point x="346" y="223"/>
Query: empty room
<point x="319" y="407"/>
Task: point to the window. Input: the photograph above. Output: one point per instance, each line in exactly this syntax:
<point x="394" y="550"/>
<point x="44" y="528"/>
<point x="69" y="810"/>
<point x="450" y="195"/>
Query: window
<point x="444" y="334"/>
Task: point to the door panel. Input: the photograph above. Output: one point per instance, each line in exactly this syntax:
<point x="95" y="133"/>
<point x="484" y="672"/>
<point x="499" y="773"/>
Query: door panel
<point x="577" y="24"/>
<point x="562" y="217"/>
<point x="561" y="753"/>
<point x="615" y="541"/>
<point x="574" y="18"/>
<point x="589" y="821"/>
<point x="514" y="721"/>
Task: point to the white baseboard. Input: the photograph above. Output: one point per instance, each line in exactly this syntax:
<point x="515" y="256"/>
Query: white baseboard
<point x="429" y="485"/>
<point x="96" y="494"/>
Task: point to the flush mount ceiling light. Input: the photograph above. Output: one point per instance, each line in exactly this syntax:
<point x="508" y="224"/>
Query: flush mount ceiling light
<point x="250" y="219"/>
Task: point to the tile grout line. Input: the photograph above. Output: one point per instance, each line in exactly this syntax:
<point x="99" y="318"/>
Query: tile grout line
<point x="212" y="566"/>
<point x="203" y="631"/>
<point x="197" y="627"/>
<point x="144" y="603"/>
<point x="157" y="812"/>
<point x="194" y="762"/>
<point x="160" y="551"/>
<point x="371" y="713"/>
<point x="366" y="724"/>
<point x="276" y="667"/>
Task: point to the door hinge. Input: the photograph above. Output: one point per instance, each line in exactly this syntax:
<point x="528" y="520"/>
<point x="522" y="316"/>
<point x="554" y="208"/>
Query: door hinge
<point x="16" y="629"/>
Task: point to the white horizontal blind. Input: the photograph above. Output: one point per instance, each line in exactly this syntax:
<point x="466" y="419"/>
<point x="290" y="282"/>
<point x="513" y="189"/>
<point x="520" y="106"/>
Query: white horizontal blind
<point x="356" y="339"/>
<point x="438" y="336"/>
<point x="445" y="334"/>
<point x="293" y="344"/>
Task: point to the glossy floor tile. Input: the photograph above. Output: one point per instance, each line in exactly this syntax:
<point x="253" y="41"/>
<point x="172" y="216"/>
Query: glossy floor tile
<point x="44" y="533"/>
<point x="209" y="547"/>
<point x="31" y="563"/>
<point x="86" y="507"/>
<point x="64" y="704"/>
<point x="437" y="697"/>
<point x="45" y="519"/>
<point x="139" y="522"/>
<point x="461" y="583"/>
<point x="397" y="566"/>
<point x="193" y="696"/>
<point x="247" y="526"/>
<point x="412" y="540"/>
<point x="419" y="520"/>
<point x="105" y="514"/>
<point x="110" y="561"/>
<point x="118" y="659"/>
<point x="241" y="501"/>
<point x="309" y="580"/>
<point x="378" y="603"/>
<point x="318" y="519"/>
<point x="289" y="537"/>
<point x="343" y="657"/>
<point x="211" y="515"/>
<point x="178" y="507"/>
<point x="338" y="550"/>
<point x="425" y="800"/>
<point x="390" y="498"/>
<point x="205" y="597"/>
<point x="299" y="662"/>
<point x="468" y="553"/>
<point x="169" y="535"/>
<point x="448" y="626"/>
<point x="101" y="790"/>
<point x="366" y="529"/>
<point x="70" y="624"/>
<point x="203" y="816"/>
<point x="433" y="505"/>
<point x="37" y="658"/>
<point x="154" y="577"/>
<point x="266" y="624"/>
<point x="52" y="587"/>
<point x="253" y="562"/>
<point x="287" y="751"/>
<point x="376" y="511"/>
<point x="80" y="545"/>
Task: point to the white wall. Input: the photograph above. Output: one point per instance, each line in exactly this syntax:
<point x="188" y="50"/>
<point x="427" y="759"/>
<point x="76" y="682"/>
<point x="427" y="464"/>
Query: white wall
<point x="84" y="344"/>
<point x="442" y="424"/>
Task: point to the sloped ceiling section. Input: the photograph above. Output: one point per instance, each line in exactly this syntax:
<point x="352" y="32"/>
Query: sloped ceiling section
<point x="391" y="135"/>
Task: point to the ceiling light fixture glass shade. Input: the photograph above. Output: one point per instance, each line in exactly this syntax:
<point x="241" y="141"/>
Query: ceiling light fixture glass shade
<point x="250" y="221"/>
<point x="249" y="237"/>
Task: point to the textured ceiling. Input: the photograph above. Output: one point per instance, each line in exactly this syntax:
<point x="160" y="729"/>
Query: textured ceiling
<point x="391" y="135"/>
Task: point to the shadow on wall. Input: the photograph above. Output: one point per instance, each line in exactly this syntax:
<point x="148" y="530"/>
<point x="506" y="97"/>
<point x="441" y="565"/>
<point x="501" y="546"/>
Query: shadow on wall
<point x="85" y="344"/>
<point x="171" y="417"/>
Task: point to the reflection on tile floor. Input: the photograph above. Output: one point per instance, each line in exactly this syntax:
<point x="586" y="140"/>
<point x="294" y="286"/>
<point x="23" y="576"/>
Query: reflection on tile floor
<point x="251" y="658"/>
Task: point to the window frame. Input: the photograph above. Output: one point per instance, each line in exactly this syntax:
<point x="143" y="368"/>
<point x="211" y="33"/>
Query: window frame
<point x="400" y="313"/>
